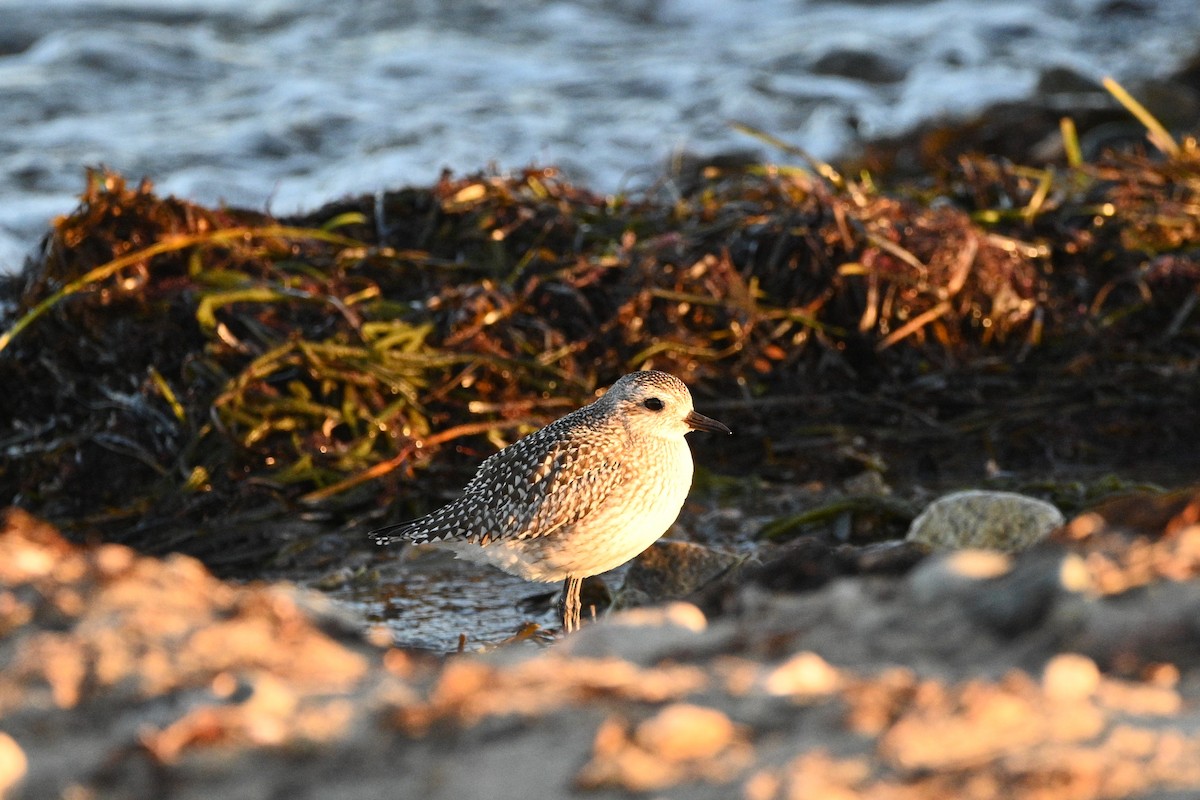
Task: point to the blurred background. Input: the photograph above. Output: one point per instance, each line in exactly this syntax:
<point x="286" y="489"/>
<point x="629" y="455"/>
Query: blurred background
<point x="283" y="105"/>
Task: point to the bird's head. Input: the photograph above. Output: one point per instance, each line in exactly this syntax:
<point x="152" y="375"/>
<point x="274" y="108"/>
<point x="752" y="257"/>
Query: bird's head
<point x="654" y="403"/>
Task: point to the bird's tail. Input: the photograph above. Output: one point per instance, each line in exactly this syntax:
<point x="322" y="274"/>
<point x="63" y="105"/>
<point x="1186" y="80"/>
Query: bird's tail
<point x="400" y="532"/>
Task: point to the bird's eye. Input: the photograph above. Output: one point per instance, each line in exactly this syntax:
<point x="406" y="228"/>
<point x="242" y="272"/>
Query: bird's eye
<point x="653" y="403"/>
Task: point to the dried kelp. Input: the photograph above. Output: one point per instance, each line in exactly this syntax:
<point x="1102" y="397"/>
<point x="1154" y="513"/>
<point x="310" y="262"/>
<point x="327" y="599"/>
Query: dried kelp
<point x="172" y="362"/>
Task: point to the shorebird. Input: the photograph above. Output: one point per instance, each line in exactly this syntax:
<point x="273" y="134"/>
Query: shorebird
<point x="579" y="497"/>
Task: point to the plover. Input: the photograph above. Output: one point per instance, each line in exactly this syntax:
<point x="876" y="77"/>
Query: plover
<point x="579" y="497"/>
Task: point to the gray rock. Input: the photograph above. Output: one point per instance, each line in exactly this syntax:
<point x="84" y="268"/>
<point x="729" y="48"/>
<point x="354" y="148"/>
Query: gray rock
<point x="952" y="575"/>
<point x="982" y="519"/>
<point x="1021" y="599"/>
<point x="649" y="635"/>
<point x="1004" y="593"/>
<point x="1159" y="623"/>
<point x="670" y="570"/>
<point x="860" y="66"/>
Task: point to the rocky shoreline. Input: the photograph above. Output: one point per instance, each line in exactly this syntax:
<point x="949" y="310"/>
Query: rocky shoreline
<point x="1068" y="671"/>
<point x="210" y="395"/>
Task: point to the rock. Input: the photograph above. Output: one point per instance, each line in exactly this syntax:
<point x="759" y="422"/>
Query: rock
<point x="983" y="519"/>
<point x="1137" y="539"/>
<point x="99" y="644"/>
<point x="803" y="675"/>
<point x="1070" y="676"/>
<point x="669" y="570"/>
<point x="860" y="65"/>
<point x="1149" y="515"/>
<point x="1064" y="80"/>
<point x="1004" y="593"/>
<point x="678" y="615"/>
<point x="1021" y="599"/>
<point x="124" y="674"/>
<point x="646" y="635"/>
<point x="955" y="574"/>
<point x="803" y="565"/>
<point x="975" y="724"/>
<point x="1150" y="625"/>
<point x="594" y="597"/>
<point x="887" y="558"/>
<point x="868" y="482"/>
<point x="13" y="764"/>
<point x="683" y="731"/>
<point x="682" y="743"/>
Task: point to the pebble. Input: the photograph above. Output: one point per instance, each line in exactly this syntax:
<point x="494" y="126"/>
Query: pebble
<point x="13" y="764"/>
<point x="647" y="635"/>
<point x="803" y="675"/>
<point x="684" y="732"/>
<point x="1070" y="677"/>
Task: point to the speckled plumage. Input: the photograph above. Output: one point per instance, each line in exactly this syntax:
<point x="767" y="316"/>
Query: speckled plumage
<point x="582" y="495"/>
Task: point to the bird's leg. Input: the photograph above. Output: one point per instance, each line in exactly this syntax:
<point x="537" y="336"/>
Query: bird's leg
<point x="571" y="603"/>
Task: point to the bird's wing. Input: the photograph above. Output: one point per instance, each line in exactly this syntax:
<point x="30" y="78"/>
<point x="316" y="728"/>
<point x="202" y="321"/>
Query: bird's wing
<point x="533" y="488"/>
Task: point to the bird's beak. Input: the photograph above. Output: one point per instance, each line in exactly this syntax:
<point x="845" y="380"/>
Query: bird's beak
<point x="697" y="421"/>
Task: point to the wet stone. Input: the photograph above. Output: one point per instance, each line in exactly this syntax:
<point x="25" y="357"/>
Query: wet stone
<point x="860" y="66"/>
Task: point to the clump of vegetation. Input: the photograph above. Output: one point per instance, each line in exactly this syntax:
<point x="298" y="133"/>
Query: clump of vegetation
<point x="170" y="363"/>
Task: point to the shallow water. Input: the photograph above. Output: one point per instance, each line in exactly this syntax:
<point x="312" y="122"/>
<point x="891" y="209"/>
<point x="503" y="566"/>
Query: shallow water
<point x="285" y="105"/>
<point x="427" y="599"/>
<point x="435" y="602"/>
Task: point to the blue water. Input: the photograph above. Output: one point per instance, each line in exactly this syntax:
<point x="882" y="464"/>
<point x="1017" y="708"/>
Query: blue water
<point x="285" y="105"/>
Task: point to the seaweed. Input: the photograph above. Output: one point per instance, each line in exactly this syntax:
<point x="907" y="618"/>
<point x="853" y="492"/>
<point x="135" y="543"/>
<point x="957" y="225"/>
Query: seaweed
<point x="170" y="363"/>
